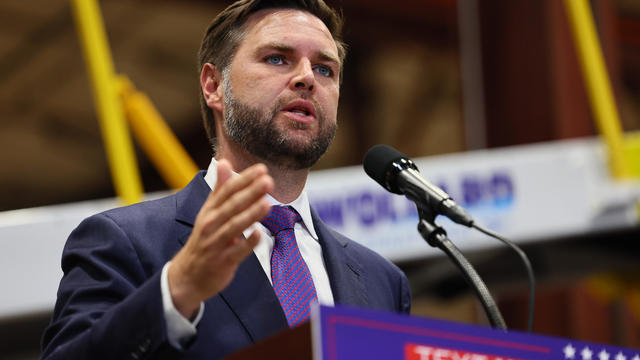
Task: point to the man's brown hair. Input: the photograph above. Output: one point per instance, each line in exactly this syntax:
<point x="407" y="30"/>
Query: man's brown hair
<point x="226" y="32"/>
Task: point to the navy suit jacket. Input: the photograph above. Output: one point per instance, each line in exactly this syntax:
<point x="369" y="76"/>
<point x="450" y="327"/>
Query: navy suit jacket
<point x="109" y="302"/>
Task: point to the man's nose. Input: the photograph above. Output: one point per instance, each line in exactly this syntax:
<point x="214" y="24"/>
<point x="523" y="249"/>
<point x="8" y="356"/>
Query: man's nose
<point x="303" y="78"/>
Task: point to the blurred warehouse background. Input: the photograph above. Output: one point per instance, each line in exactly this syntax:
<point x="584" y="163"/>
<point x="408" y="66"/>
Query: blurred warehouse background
<point x="429" y="77"/>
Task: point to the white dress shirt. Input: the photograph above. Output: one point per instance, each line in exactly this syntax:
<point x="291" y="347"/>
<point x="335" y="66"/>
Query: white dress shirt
<point x="180" y="329"/>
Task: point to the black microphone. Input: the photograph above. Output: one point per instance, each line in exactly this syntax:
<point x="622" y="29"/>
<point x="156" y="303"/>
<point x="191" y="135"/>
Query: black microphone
<point x="398" y="174"/>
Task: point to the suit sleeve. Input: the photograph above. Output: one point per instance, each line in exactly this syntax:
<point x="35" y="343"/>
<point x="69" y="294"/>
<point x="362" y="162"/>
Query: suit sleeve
<point x="108" y="307"/>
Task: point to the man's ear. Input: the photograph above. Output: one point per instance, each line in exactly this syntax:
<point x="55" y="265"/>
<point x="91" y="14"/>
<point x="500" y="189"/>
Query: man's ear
<point x="211" y="85"/>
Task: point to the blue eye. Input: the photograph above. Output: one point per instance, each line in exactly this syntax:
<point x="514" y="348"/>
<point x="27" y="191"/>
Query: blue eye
<point x="324" y="70"/>
<point x="275" y="59"/>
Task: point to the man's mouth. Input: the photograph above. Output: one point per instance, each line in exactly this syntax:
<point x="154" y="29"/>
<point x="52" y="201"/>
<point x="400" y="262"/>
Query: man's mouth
<point x="302" y="110"/>
<point x="299" y="111"/>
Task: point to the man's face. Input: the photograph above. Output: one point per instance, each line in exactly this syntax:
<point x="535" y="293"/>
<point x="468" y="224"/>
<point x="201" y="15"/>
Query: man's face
<point x="282" y="88"/>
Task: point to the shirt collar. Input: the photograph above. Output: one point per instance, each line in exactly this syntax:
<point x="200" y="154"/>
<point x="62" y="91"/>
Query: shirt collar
<point x="301" y="204"/>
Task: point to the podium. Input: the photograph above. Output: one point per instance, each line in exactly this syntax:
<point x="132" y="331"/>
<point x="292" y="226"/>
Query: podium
<point x="337" y="333"/>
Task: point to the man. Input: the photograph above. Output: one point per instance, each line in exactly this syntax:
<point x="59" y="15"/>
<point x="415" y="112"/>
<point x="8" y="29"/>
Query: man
<point x="196" y="275"/>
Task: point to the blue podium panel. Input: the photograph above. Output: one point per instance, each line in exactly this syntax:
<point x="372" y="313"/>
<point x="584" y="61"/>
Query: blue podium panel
<point x="347" y="333"/>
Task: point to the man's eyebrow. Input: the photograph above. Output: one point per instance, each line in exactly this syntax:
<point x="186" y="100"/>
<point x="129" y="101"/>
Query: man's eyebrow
<point x="322" y="55"/>
<point x="276" y="46"/>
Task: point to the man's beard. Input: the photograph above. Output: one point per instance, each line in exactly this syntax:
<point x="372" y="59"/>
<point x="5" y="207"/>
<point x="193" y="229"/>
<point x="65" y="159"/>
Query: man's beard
<point x="257" y="132"/>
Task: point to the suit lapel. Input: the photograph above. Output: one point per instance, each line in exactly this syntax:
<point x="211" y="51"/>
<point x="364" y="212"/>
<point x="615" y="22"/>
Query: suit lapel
<point x="250" y="295"/>
<point x="344" y="271"/>
<point x="188" y="203"/>
<point x="252" y="299"/>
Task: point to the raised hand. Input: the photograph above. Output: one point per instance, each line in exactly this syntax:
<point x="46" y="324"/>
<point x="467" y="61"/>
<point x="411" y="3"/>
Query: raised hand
<point x="216" y="246"/>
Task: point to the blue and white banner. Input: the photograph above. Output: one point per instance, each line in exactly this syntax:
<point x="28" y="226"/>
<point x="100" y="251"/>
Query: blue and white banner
<point x="525" y="193"/>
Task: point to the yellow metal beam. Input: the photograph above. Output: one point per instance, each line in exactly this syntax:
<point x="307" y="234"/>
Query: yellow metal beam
<point x="115" y="134"/>
<point x="632" y="151"/>
<point x="155" y="137"/>
<point x="597" y="83"/>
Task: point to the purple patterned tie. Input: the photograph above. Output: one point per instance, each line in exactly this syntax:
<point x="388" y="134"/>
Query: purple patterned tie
<point x="291" y="278"/>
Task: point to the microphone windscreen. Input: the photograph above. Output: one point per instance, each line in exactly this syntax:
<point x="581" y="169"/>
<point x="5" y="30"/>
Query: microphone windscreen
<point x="378" y="162"/>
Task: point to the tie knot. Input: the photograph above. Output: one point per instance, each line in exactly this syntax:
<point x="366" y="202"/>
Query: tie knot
<point x="280" y="218"/>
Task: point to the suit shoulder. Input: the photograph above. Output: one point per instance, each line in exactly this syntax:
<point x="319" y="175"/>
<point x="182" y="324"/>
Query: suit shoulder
<point x="160" y="209"/>
<point x="364" y="254"/>
<point x="144" y="234"/>
<point x="183" y="205"/>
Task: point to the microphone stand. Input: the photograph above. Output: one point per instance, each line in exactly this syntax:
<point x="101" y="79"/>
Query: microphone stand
<point x="436" y="236"/>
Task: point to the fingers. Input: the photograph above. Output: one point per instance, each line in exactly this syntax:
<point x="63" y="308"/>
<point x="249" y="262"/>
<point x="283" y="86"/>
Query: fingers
<point x="242" y="248"/>
<point x="235" y="204"/>
<point x="238" y="222"/>
<point x="228" y="185"/>
<point x="243" y="199"/>
<point x="224" y="172"/>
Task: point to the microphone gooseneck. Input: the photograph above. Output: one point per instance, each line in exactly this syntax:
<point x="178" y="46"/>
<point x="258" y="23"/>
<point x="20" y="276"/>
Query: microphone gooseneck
<point x="396" y="173"/>
<point x="399" y="175"/>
